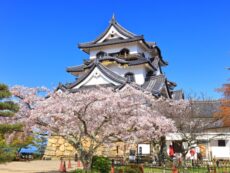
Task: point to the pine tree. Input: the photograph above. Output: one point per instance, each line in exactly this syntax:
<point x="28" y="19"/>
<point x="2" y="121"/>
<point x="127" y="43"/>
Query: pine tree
<point x="7" y="109"/>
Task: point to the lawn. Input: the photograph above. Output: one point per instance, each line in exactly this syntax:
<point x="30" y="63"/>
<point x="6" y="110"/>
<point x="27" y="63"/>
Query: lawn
<point x="169" y="170"/>
<point x="188" y="170"/>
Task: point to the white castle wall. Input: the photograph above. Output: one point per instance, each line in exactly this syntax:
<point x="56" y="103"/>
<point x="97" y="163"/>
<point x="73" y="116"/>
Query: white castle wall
<point x="133" y="48"/>
<point x="138" y="71"/>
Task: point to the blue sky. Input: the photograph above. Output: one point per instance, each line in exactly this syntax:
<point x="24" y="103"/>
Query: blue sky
<point x="38" y="38"/>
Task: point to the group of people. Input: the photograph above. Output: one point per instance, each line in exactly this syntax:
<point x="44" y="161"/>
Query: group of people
<point x="193" y="153"/>
<point x="24" y="156"/>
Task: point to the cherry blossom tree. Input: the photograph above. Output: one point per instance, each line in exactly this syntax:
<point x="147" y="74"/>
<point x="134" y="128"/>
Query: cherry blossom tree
<point x="14" y="129"/>
<point x="94" y="117"/>
<point x="27" y="99"/>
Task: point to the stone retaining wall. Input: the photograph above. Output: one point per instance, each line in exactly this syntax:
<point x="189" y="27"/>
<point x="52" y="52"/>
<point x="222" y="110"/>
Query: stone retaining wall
<point x="58" y="147"/>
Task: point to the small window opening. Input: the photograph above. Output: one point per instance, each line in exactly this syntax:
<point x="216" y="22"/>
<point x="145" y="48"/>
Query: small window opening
<point x="101" y="54"/>
<point x="124" y="52"/>
<point x="221" y="143"/>
<point x="130" y="77"/>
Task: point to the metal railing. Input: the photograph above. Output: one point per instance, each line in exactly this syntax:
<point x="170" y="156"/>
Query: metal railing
<point x="183" y="167"/>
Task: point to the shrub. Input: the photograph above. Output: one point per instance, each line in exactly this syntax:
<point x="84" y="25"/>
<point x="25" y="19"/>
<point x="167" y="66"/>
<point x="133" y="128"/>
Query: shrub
<point x="79" y="171"/>
<point x="129" y="169"/>
<point x="133" y="169"/>
<point x="6" y="157"/>
<point x="101" y="164"/>
<point x="118" y="170"/>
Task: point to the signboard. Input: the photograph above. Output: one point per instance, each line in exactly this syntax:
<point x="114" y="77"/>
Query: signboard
<point x="143" y="149"/>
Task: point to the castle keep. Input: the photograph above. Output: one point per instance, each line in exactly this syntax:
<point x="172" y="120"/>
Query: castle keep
<point x="117" y="57"/>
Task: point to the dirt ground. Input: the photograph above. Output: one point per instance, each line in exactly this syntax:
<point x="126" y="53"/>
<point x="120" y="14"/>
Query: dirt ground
<point x="38" y="166"/>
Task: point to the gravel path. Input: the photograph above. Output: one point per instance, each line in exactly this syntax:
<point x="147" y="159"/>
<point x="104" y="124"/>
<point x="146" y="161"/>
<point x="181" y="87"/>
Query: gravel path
<point x="38" y="166"/>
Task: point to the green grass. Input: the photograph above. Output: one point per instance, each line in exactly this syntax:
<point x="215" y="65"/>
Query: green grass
<point x="169" y="170"/>
<point x="188" y="170"/>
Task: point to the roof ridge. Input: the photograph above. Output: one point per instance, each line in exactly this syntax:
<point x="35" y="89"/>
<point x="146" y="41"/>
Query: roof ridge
<point x="122" y="28"/>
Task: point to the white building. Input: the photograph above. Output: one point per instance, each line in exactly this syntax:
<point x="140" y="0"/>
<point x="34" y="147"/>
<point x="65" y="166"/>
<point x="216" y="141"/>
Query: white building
<point x="211" y="145"/>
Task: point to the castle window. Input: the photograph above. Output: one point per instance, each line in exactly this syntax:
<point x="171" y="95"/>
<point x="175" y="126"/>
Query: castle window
<point x="130" y="77"/>
<point x="221" y="143"/>
<point x="101" y="54"/>
<point x="124" y="52"/>
<point x="143" y="54"/>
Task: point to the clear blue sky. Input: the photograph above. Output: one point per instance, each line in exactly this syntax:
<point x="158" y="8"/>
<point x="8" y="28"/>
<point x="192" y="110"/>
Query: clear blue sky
<point x="38" y="38"/>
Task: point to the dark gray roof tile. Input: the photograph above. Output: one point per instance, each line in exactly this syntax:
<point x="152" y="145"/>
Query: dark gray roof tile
<point x="80" y="68"/>
<point x="109" y="42"/>
<point x="138" y="61"/>
<point x="154" y="84"/>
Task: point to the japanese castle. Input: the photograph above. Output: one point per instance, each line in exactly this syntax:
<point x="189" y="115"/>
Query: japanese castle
<point x="118" y="57"/>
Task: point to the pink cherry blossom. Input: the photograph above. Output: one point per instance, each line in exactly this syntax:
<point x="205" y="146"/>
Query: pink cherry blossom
<point x="100" y="115"/>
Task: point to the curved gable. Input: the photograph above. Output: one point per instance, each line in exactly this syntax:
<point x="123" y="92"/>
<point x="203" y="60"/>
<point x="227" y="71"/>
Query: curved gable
<point x="96" y="77"/>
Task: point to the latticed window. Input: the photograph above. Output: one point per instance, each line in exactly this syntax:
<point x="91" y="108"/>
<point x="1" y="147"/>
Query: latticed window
<point x="124" y="52"/>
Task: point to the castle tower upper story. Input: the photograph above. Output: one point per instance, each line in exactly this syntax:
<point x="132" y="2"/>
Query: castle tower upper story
<point x="118" y="56"/>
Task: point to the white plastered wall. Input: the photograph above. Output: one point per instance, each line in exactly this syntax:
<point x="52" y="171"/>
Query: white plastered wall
<point x="139" y="71"/>
<point x="96" y="77"/>
<point x="133" y="48"/>
<point x="220" y="151"/>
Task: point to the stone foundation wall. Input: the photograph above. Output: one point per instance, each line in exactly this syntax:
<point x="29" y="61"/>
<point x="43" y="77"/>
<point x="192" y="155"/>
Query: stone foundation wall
<point x="58" y="147"/>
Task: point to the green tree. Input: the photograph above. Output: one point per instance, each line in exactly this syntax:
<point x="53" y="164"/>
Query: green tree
<point x="7" y="109"/>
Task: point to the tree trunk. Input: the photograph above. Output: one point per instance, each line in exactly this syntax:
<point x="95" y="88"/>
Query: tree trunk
<point x="184" y="153"/>
<point x="86" y="159"/>
<point x="125" y="157"/>
<point x="87" y="165"/>
<point x="163" y="151"/>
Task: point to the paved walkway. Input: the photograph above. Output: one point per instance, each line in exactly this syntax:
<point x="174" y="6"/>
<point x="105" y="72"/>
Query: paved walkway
<point x="38" y="166"/>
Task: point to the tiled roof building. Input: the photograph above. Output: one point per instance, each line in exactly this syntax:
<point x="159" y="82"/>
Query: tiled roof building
<point x="118" y="57"/>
